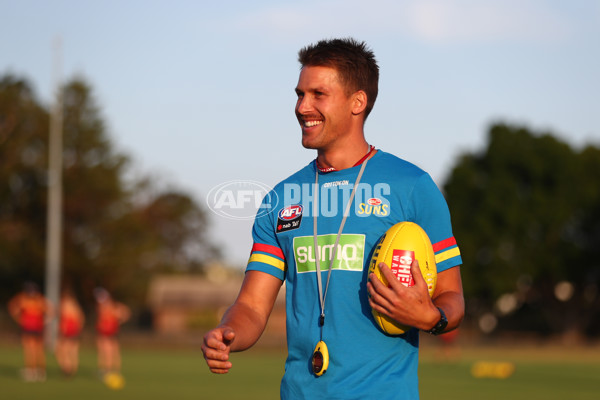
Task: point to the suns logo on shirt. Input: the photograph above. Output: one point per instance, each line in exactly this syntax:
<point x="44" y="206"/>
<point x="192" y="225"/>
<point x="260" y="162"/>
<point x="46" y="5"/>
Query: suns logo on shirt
<point x="374" y="206"/>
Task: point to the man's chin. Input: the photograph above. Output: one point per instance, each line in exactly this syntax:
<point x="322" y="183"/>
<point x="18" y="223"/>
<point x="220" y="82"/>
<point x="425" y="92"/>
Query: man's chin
<point x="308" y="144"/>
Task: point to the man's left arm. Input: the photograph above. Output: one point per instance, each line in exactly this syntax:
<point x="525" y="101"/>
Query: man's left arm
<point x="448" y="296"/>
<point x="412" y="306"/>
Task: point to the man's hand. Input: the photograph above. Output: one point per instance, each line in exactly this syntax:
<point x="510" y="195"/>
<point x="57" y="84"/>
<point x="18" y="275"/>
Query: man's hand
<point x="216" y="348"/>
<point x="243" y="322"/>
<point x="410" y="306"/>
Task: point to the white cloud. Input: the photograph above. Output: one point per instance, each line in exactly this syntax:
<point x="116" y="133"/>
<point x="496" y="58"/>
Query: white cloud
<point x="434" y="21"/>
<point x="493" y="20"/>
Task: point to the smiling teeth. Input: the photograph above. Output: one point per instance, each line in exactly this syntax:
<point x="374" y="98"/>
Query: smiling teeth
<point x="312" y="123"/>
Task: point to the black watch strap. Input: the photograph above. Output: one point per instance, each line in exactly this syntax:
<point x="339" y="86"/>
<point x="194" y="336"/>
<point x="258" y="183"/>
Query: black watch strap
<point x="441" y="324"/>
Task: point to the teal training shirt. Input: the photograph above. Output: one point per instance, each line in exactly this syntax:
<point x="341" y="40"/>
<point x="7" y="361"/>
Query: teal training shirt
<point x="364" y="362"/>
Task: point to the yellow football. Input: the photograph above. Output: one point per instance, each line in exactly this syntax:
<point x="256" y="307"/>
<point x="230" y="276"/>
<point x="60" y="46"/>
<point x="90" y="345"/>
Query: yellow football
<point x="397" y="248"/>
<point x="114" y="380"/>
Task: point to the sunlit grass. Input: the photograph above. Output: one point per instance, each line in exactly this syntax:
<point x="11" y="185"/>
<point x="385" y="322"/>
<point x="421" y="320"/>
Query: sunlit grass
<point x="162" y="373"/>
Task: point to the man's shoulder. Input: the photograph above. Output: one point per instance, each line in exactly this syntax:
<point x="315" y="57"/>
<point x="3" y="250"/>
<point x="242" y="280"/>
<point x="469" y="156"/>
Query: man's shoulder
<point x="397" y="165"/>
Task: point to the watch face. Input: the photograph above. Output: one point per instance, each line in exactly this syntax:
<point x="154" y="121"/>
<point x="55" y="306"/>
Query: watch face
<point x="441" y="325"/>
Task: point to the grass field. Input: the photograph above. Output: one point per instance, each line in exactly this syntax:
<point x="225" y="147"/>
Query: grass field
<point x="541" y="372"/>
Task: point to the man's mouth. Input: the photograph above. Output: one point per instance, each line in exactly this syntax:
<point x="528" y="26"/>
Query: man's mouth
<point x="310" y="124"/>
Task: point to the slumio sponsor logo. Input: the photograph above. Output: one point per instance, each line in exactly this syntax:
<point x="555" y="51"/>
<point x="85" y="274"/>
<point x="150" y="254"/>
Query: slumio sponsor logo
<point x="350" y="253"/>
<point x="241" y="199"/>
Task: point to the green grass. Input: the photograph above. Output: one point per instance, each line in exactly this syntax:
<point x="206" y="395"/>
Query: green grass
<point x="548" y="372"/>
<point x="154" y="373"/>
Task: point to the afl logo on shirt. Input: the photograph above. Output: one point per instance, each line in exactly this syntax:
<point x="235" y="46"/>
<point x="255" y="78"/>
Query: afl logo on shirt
<point x="289" y="218"/>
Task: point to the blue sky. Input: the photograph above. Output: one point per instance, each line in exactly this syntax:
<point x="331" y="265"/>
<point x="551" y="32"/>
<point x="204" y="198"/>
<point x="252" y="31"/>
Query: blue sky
<point x="200" y="93"/>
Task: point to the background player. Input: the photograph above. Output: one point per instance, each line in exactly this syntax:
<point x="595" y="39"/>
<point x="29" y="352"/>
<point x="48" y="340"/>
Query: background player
<point x="31" y="310"/>
<point x="71" y="321"/>
<point x="111" y="314"/>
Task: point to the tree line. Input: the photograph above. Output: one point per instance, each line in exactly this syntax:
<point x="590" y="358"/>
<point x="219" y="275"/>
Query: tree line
<point x="118" y="230"/>
<point x="525" y="211"/>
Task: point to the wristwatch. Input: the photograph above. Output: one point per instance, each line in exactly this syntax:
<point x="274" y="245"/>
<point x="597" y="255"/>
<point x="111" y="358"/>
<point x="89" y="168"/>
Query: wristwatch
<point x="441" y="324"/>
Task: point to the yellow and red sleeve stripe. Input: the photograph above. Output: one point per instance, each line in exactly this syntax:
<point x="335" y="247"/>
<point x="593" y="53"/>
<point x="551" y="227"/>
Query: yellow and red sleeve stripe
<point x="268" y="254"/>
<point x="445" y="249"/>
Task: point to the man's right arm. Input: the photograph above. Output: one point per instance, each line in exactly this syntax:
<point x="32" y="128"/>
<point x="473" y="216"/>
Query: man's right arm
<point x="244" y="322"/>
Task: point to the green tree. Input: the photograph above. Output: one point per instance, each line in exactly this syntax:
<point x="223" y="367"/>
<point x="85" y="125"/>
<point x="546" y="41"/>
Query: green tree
<point x="117" y="232"/>
<point x="23" y="124"/>
<point x="525" y="211"/>
<point x="95" y="197"/>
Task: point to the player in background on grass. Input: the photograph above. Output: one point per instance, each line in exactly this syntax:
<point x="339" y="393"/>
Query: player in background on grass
<point x="32" y="311"/>
<point x="111" y="314"/>
<point x="329" y="294"/>
<point x="70" y="324"/>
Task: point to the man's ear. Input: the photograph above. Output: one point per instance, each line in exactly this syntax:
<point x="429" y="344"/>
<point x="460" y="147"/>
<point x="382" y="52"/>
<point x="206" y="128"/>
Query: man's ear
<point x="359" y="102"/>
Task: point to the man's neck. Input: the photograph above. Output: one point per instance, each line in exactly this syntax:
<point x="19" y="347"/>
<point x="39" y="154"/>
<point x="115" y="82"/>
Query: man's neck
<point x="342" y="157"/>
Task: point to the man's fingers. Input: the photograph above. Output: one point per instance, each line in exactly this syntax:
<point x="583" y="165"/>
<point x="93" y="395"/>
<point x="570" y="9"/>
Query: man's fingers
<point x="216" y="352"/>
<point x="218" y="367"/>
<point x="219" y="339"/>
<point x="387" y="274"/>
<point x="228" y="336"/>
<point x="415" y="270"/>
<point x="219" y="370"/>
<point x="211" y="353"/>
<point x="212" y="342"/>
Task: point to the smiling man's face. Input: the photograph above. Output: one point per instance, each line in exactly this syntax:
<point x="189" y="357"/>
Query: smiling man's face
<point x="323" y="108"/>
